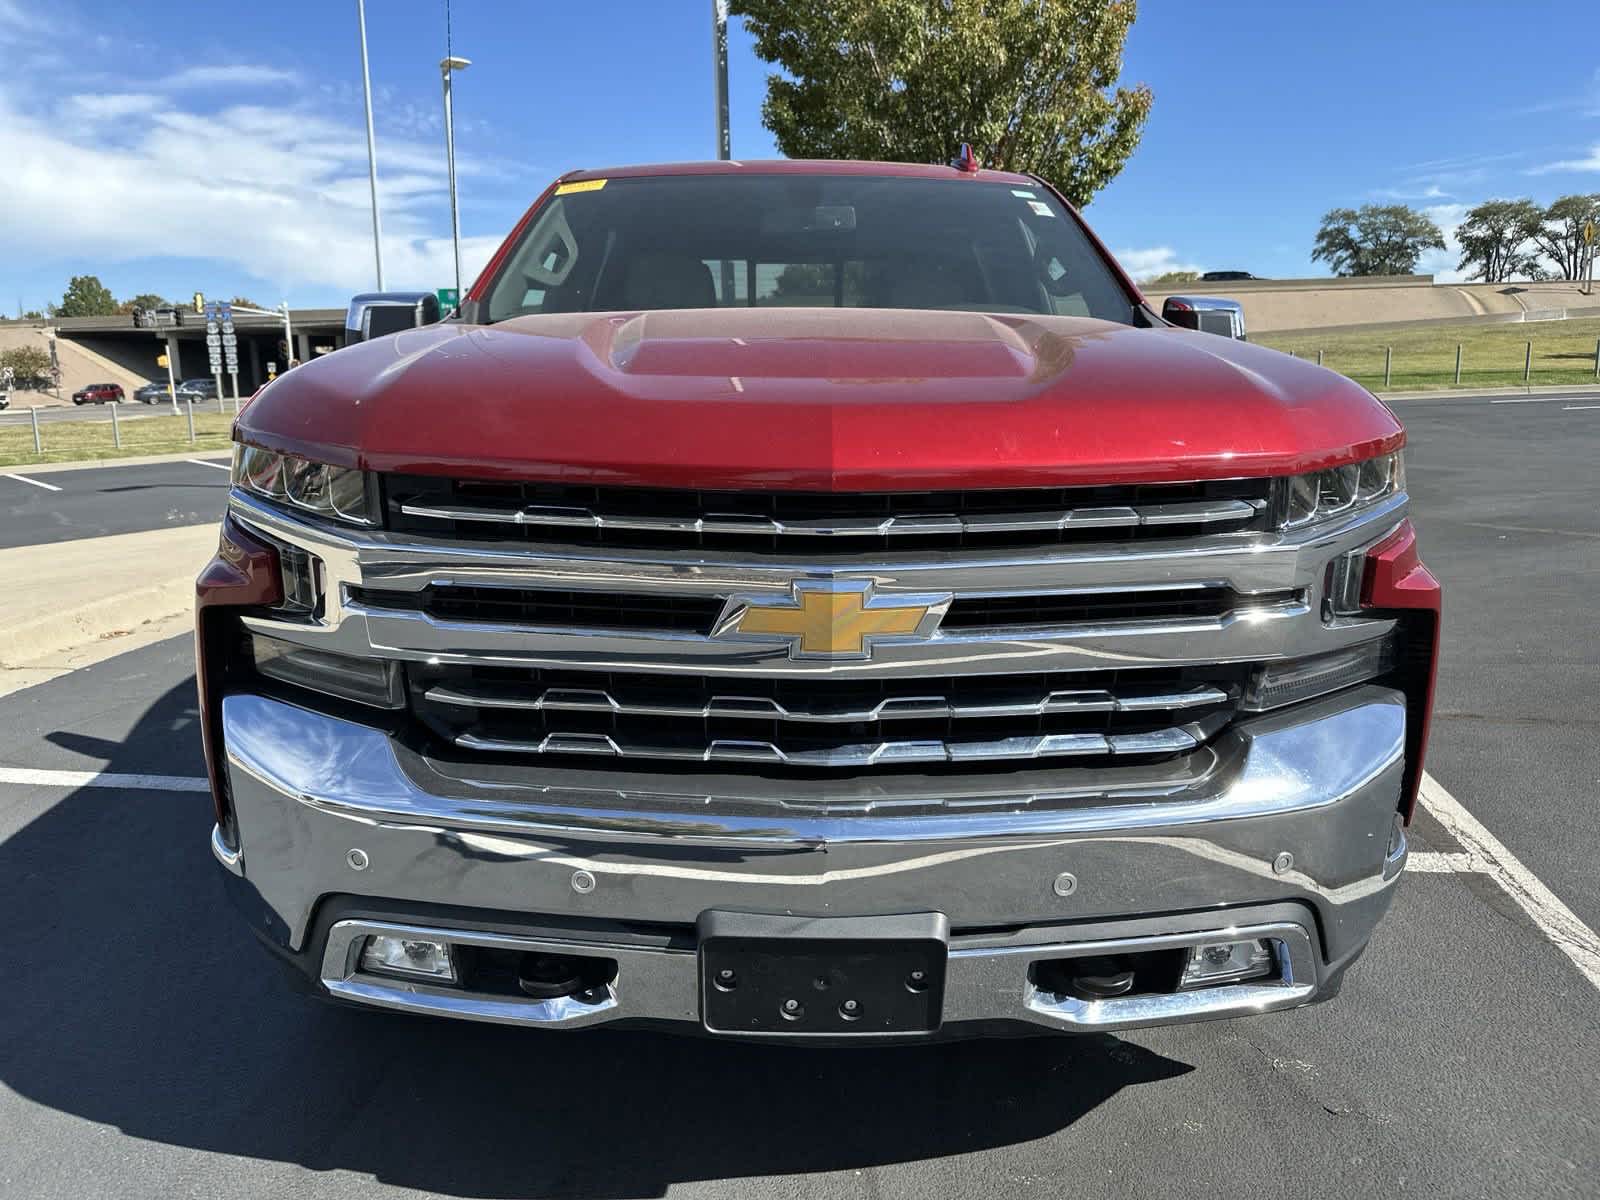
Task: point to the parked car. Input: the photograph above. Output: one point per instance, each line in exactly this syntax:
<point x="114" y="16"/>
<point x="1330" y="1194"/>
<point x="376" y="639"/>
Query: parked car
<point x="154" y="392"/>
<point x="99" y="393"/>
<point x="5" y="401"/>
<point x="197" y="390"/>
<point x="813" y="602"/>
<point x="1225" y="276"/>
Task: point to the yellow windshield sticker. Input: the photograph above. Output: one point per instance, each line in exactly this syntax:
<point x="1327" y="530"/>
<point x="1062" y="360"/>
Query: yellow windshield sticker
<point x="581" y="185"/>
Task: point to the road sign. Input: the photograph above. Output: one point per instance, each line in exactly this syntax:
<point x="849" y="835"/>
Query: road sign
<point x="1588" y="233"/>
<point x="449" y="298"/>
<point x="161" y="360"/>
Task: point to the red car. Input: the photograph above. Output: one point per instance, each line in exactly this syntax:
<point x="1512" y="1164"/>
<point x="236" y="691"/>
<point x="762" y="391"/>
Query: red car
<point x="99" y="393"/>
<point x="815" y="601"/>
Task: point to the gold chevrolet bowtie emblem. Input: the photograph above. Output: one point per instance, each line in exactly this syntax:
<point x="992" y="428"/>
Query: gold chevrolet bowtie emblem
<point x="833" y="620"/>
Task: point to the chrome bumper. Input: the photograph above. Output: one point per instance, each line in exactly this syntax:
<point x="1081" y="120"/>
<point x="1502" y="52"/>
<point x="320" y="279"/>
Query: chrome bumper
<point x="1299" y="813"/>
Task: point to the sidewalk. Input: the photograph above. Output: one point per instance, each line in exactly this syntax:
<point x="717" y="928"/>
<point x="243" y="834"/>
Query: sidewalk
<point x="66" y="604"/>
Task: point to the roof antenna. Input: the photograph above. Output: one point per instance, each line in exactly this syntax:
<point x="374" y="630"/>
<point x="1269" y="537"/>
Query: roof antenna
<point x="966" y="160"/>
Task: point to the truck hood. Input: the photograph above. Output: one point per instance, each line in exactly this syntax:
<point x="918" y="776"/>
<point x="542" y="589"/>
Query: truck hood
<point x="818" y="399"/>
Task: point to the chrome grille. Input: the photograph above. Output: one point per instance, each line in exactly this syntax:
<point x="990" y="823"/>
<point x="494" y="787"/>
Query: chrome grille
<point x="823" y="723"/>
<point x="819" y="522"/>
<point x="551" y="608"/>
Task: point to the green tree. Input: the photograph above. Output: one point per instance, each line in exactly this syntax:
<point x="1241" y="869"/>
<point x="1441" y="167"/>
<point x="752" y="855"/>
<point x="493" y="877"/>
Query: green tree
<point x="1031" y="84"/>
<point x="1376" y="239"/>
<point x="244" y="302"/>
<point x="1560" y="233"/>
<point x="27" y="363"/>
<point x="85" y="296"/>
<point x="144" y="300"/>
<point x="1495" y="239"/>
<point x="1167" y="277"/>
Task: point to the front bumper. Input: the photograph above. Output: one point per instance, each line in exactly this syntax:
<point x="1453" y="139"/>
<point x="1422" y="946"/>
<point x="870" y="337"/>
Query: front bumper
<point x="1291" y="836"/>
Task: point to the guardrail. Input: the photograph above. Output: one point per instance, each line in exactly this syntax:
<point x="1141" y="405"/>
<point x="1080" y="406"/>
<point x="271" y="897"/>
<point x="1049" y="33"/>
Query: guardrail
<point x="52" y="433"/>
<point x="1390" y="365"/>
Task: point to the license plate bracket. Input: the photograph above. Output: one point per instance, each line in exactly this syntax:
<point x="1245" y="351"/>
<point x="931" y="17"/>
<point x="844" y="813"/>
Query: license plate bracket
<point x="834" y="977"/>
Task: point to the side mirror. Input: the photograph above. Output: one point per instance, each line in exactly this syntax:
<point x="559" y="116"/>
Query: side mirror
<point x="1208" y="314"/>
<point x="374" y="314"/>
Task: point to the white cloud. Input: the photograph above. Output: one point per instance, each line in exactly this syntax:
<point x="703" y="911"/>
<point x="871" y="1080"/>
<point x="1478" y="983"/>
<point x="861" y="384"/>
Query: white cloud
<point x="279" y="193"/>
<point x="1431" y="192"/>
<point x="109" y="106"/>
<point x="1441" y="264"/>
<point x="1155" y="260"/>
<point x="1591" y="163"/>
<point x="236" y="75"/>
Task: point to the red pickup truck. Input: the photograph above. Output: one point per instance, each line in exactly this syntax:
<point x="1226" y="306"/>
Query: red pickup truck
<point x="807" y="600"/>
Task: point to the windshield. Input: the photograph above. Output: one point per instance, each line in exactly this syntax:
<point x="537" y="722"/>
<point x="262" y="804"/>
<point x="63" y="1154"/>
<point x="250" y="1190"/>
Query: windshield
<point x="722" y="241"/>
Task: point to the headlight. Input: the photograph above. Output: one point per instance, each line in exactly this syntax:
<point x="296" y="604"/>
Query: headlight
<point x="1322" y="495"/>
<point x="341" y="493"/>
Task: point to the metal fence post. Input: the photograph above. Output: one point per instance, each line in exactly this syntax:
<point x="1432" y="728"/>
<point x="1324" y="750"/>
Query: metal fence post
<point x="116" y="429"/>
<point x="38" y="448"/>
<point x="1458" y="364"/>
<point x="1527" y="363"/>
<point x="1388" y="362"/>
<point x="188" y="407"/>
<point x="1319" y="358"/>
<point x="1597" y="359"/>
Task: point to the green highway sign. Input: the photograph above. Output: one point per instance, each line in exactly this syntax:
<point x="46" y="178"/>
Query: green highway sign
<point x="448" y="298"/>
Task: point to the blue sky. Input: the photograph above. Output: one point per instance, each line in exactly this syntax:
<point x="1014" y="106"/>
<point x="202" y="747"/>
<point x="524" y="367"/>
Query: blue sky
<point x="225" y="151"/>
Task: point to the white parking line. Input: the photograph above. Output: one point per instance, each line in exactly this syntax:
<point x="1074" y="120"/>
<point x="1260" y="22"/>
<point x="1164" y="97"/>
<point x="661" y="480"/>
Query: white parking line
<point x="1426" y="862"/>
<point x="1559" y="924"/>
<point x="104" y="779"/>
<point x="38" y="483"/>
<point x="1580" y="407"/>
<point x="200" y="462"/>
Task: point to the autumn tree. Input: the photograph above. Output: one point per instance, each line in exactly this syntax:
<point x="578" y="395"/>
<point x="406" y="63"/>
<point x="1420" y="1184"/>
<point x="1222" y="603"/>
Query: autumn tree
<point x="28" y="363"/>
<point x="1031" y="84"/>
<point x="145" y="300"/>
<point x="1560" y="232"/>
<point x="1376" y="239"/>
<point x="1497" y="241"/>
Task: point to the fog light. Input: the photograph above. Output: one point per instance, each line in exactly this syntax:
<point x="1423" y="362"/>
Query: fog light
<point x="409" y="956"/>
<point x="1227" y="962"/>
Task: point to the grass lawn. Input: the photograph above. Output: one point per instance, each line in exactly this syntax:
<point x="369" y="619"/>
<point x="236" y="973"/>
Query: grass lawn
<point x="142" y="433"/>
<point x="1491" y="355"/>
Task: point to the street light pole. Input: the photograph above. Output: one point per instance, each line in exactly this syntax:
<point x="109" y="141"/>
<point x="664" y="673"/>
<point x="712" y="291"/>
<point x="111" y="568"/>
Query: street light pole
<point x="372" y="145"/>
<point x="446" y="67"/>
<point x="719" y="60"/>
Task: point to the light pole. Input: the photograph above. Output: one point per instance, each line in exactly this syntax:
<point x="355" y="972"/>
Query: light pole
<point x="719" y="67"/>
<point x="372" y="146"/>
<point x="446" y="67"/>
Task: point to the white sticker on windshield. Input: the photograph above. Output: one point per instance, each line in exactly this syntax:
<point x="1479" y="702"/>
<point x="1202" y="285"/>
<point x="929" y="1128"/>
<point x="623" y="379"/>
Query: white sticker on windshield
<point x="1040" y="208"/>
<point x="1024" y="193"/>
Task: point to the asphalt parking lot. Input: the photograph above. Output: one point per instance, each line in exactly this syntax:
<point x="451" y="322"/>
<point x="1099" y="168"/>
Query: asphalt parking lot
<point x="151" y="1050"/>
<point x="40" y="506"/>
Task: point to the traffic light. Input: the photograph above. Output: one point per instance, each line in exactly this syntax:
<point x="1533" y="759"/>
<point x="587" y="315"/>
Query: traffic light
<point x="199" y="304"/>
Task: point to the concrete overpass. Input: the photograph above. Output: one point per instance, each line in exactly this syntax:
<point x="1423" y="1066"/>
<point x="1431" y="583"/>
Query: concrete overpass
<point x="135" y="348"/>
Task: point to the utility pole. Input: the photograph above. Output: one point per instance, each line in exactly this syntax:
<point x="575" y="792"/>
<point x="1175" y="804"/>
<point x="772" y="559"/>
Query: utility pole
<point x="448" y="66"/>
<point x="719" y="69"/>
<point x="719" y="59"/>
<point x="372" y="145"/>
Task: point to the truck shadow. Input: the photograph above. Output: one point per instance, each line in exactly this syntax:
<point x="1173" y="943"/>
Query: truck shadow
<point x="135" y="998"/>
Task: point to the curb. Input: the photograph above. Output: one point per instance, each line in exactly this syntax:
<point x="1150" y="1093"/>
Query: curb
<point x="75" y="595"/>
<point x="1538" y="389"/>
<point x="99" y="619"/>
<point x="92" y="464"/>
